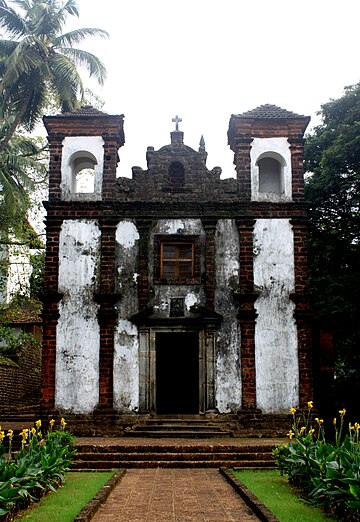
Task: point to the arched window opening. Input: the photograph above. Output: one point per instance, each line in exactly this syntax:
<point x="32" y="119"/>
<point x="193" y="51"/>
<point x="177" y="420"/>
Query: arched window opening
<point x="83" y="172"/>
<point x="177" y="173"/>
<point x="270" y="175"/>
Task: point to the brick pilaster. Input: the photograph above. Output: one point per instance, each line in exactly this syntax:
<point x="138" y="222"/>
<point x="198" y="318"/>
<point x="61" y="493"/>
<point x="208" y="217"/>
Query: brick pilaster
<point x="50" y="319"/>
<point x="297" y="168"/>
<point x="55" y="146"/>
<point x="210" y="229"/>
<point x="111" y="158"/>
<point x="144" y="227"/>
<point x="302" y="312"/>
<point x="107" y="314"/>
<point x="50" y="313"/>
<point x="247" y="314"/>
<point x="243" y="166"/>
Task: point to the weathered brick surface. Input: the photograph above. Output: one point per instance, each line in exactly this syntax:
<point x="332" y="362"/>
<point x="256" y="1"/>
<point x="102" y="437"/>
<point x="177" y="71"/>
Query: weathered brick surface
<point x="20" y="379"/>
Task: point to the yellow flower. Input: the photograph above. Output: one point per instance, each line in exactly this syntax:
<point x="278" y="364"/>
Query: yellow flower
<point x="290" y="434"/>
<point x="334" y="421"/>
<point x="342" y="412"/>
<point x="357" y="426"/>
<point x="311" y="431"/>
<point x="2" y="435"/>
<point x="292" y="411"/>
<point x="352" y="428"/>
<point x="310" y="404"/>
<point x="24" y="434"/>
<point x="62" y="422"/>
<point x="38" y="424"/>
<point x="52" y="422"/>
<point x="302" y="429"/>
<point x="10" y="434"/>
<point x="33" y="431"/>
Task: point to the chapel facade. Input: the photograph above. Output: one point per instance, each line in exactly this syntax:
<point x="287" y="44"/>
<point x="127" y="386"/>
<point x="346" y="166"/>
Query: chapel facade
<point x="176" y="291"/>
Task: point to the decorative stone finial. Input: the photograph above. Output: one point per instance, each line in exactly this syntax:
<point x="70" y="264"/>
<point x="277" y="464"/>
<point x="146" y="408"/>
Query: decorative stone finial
<point x="177" y="120"/>
<point x="202" y="144"/>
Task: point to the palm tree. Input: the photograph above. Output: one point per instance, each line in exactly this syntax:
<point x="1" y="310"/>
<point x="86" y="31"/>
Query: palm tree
<point x="21" y="167"/>
<point x="39" y="62"/>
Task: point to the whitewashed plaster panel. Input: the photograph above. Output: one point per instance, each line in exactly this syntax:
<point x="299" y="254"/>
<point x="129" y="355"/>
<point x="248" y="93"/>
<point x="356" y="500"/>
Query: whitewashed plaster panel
<point x="178" y="226"/>
<point x="71" y="146"/>
<point x="192" y="294"/>
<point x="276" y="355"/>
<point x="78" y="335"/>
<point x="262" y="146"/>
<point x="126" y="351"/>
<point x="228" y="368"/>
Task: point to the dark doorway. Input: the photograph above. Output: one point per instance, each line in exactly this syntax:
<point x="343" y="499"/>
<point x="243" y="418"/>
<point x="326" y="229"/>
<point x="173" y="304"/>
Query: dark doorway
<point x="177" y="372"/>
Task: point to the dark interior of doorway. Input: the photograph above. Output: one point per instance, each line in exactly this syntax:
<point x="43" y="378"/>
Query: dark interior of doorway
<point x="177" y="373"/>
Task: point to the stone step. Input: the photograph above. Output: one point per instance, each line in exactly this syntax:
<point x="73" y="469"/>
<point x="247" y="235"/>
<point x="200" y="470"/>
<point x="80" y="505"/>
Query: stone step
<point x="174" y="421"/>
<point x="106" y="465"/>
<point x="197" y="448"/>
<point x="178" y="425"/>
<point x="178" y="433"/>
<point x="174" y="456"/>
<point x="190" y="426"/>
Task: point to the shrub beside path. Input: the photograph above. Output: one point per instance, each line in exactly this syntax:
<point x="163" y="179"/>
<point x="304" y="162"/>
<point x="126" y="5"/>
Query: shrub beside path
<point x="174" y="495"/>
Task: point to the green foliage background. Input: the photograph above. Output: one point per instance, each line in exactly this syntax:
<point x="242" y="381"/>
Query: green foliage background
<point x="332" y="155"/>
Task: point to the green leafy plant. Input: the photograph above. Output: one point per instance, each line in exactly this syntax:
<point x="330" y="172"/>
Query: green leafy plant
<point x="328" y="473"/>
<point x="12" y="342"/>
<point x="38" y="467"/>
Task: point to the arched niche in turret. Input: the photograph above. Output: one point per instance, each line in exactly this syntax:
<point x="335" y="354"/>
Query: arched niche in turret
<point x="271" y="178"/>
<point x="82" y="168"/>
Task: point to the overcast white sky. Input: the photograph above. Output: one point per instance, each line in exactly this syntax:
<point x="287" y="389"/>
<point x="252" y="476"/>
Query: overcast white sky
<point x="205" y="60"/>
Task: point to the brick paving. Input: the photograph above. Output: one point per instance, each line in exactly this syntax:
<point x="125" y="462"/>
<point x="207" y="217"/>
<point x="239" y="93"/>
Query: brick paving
<point x="174" y="495"/>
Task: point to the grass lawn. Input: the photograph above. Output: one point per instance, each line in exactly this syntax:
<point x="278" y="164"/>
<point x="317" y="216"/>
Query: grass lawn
<point x="275" y="492"/>
<point x="68" y="501"/>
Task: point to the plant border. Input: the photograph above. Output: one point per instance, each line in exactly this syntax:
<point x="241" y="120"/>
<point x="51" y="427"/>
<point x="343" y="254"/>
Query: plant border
<point x="251" y="500"/>
<point x="89" y="510"/>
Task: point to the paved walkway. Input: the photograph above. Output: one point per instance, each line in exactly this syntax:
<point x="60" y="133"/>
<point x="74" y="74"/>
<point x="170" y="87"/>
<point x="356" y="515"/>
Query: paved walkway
<point x="174" y="495"/>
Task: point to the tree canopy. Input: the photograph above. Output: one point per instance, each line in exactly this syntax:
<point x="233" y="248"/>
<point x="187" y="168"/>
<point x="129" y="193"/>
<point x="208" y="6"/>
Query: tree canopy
<point x="39" y="60"/>
<point x="40" y="67"/>
<point x="332" y="156"/>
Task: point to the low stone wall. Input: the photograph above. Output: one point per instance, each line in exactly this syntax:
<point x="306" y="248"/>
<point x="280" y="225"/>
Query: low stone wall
<point x="20" y="379"/>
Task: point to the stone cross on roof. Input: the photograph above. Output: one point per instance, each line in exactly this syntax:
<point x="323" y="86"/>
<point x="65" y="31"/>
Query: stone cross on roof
<point x="177" y="120"/>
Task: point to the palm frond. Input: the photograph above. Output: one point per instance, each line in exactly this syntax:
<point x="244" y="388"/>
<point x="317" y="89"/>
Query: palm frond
<point x="6" y="48"/>
<point x="71" y="7"/>
<point x="13" y="195"/>
<point x="78" y="35"/>
<point x="36" y="104"/>
<point x="65" y="80"/>
<point x="11" y="21"/>
<point x="27" y="56"/>
<point x="89" y="61"/>
<point x="25" y="5"/>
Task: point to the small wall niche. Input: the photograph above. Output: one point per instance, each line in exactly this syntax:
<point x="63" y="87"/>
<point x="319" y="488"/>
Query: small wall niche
<point x="82" y="168"/>
<point x="271" y="177"/>
<point x="82" y="165"/>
